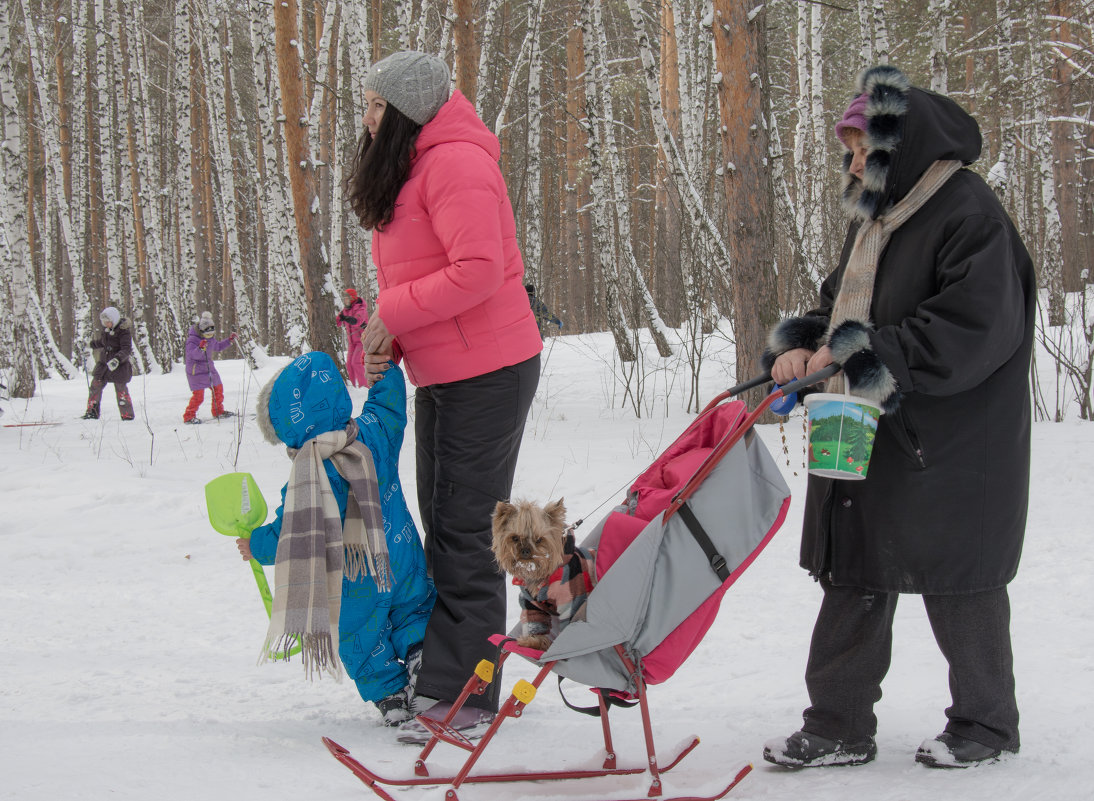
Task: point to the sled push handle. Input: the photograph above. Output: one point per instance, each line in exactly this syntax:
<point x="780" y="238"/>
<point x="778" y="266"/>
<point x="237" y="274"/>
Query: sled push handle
<point x="679" y="502"/>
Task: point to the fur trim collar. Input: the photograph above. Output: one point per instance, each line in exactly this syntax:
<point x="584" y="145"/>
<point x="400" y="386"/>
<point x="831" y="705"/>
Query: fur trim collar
<point x="887" y="90"/>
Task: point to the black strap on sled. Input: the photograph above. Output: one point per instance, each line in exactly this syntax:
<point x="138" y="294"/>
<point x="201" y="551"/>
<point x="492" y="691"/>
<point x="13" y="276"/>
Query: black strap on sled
<point x="717" y="561"/>
<point x="594" y="711"/>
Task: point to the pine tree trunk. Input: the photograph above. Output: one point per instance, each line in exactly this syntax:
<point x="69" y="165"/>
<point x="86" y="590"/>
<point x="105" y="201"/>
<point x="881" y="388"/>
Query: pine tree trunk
<point x="285" y="302"/>
<point x="301" y="169"/>
<point x="467" y="57"/>
<point x="740" y="52"/>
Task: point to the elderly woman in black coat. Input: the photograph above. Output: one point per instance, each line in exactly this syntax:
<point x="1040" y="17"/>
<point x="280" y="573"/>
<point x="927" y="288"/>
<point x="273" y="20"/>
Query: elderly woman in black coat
<point x="930" y="313"/>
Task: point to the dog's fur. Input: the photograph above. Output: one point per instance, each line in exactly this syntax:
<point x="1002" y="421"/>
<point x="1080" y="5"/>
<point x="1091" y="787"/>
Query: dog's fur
<point x="532" y="544"/>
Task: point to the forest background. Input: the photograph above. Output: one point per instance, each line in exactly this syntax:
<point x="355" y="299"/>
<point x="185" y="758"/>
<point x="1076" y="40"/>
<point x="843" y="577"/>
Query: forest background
<point x="671" y="163"/>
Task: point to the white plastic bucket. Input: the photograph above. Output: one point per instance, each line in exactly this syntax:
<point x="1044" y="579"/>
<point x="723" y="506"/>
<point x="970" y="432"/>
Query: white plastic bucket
<point x="842" y="429"/>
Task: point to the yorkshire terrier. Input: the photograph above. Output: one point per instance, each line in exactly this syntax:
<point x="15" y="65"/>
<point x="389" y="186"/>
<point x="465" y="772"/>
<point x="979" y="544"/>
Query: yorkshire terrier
<point x="533" y="544"/>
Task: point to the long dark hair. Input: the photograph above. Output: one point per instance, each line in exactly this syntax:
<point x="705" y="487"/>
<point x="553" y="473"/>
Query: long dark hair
<point x="380" y="168"/>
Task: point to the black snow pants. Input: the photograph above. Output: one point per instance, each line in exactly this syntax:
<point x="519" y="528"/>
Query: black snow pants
<point x="852" y="647"/>
<point x="468" y="438"/>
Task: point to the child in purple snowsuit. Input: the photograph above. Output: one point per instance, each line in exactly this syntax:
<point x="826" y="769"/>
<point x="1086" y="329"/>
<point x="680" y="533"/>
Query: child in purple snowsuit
<point x="200" y="370"/>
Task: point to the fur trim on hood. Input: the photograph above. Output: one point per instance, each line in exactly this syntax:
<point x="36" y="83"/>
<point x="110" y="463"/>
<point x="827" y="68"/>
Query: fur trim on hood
<point x="907" y="130"/>
<point x="262" y="411"/>
<point x="306" y="398"/>
<point x="886" y="89"/>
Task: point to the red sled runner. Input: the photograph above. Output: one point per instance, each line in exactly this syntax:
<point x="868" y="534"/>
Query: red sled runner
<point x="689" y="526"/>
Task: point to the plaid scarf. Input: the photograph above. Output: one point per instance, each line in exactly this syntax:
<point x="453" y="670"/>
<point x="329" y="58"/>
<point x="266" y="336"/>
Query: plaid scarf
<point x="315" y="548"/>
<point x="856" y="289"/>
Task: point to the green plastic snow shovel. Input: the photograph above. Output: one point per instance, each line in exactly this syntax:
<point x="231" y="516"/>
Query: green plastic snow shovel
<point x="236" y="508"/>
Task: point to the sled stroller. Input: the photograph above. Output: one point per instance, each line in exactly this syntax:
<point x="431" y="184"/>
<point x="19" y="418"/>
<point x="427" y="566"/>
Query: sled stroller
<point x="689" y="526"/>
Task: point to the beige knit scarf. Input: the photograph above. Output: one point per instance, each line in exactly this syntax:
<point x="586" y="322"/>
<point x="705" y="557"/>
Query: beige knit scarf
<point x="315" y="549"/>
<point x="857" y="285"/>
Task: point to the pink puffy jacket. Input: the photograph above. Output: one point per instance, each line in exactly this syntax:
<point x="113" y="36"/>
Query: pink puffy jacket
<point x="448" y="266"/>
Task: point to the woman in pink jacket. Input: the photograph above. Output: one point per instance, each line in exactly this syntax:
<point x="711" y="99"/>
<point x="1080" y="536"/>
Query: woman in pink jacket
<point x="453" y="307"/>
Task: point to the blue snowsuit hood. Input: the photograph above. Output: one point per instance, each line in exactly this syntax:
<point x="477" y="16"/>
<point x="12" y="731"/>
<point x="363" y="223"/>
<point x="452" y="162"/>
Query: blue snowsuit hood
<point x="307" y="398"/>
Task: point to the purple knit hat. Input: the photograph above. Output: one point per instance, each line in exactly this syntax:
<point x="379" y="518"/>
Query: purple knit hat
<point x="854" y="117"/>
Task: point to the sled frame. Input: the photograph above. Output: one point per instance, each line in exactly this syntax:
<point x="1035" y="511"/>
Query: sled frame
<point x="522" y="694"/>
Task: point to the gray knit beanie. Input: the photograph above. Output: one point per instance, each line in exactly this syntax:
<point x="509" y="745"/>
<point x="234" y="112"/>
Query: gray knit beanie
<point x="415" y="83"/>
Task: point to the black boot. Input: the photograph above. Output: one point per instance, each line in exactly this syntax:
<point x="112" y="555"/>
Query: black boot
<point x="949" y="750"/>
<point x="92" y="412"/>
<point x="804" y="750"/>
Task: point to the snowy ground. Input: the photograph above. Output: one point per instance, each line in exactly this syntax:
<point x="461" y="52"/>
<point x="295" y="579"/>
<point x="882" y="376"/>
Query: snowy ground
<point x="131" y="628"/>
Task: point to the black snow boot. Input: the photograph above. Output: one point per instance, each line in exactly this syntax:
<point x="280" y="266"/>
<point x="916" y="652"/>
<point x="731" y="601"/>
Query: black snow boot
<point x="804" y="750"/>
<point x="949" y="750"/>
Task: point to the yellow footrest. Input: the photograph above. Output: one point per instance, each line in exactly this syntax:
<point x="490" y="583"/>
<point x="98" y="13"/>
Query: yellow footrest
<point x="485" y="670"/>
<point x="524" y="691"/>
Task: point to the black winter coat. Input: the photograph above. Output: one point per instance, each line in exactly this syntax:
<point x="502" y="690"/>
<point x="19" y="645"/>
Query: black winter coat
<point x="116" y="342"/>
<point x="943" y="508"/>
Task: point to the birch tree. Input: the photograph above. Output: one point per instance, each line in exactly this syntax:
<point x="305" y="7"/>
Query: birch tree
<point x="104" y="144"/>
<point x="20" y="351"/>
<point x="616" y="195"/>
<point x="938" y="11"/>
<point x="678" y="168"/>
<point x="184" y="184"/>
<point x="357" y="43"/>
<point x="606" y="242"/>
<point x="47" y="350"/>
<point x="532" y="250"/>
<point x="216" y="107"/>
<point x="485" y="54"/>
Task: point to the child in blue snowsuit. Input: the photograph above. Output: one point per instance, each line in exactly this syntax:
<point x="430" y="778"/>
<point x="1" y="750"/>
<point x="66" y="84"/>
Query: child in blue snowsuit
<point x="380" y="633"/>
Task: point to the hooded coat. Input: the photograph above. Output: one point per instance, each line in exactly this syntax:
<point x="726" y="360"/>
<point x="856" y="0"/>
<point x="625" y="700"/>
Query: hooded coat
<point x="201" y="372"/>
<point x="375" y="629"/>
<point x="943" y="509"/>
<point x="113" y="343"/>
<point x="448" y="266"/>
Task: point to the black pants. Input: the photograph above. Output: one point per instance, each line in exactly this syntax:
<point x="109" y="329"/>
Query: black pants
<point x="468" y="437"/>
<point x="852" y="647"/>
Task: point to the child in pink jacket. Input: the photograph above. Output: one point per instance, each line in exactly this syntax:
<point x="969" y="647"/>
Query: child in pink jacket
<point x="353" y="318"/>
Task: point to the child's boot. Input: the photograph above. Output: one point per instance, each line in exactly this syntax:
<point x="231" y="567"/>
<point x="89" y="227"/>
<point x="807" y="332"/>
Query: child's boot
<point x="393" y="708"/>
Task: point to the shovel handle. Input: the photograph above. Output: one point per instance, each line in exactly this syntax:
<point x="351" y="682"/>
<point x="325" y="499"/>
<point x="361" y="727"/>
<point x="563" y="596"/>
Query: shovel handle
<point x="267" y="601"/>
<point x="263" y="586"/>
